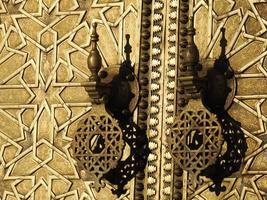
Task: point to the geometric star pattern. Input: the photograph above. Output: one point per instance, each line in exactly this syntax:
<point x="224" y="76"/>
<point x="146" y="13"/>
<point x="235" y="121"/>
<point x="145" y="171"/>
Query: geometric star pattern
<point x="44" y="45"/>
<point x="246" y="33"/>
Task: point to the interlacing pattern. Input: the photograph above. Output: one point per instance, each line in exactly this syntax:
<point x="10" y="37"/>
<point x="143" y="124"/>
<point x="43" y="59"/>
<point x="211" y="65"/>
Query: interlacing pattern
<point x="245" y="24"/>
<point x="44" y="46"/>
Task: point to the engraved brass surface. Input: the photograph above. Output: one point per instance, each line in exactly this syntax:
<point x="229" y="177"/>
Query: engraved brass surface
<point x="195" y="141"/>
<point x="245" y="31"/>
<point x="43" y="63"/>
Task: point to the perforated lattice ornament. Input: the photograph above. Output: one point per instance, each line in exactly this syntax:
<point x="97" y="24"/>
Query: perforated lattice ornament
<point x="98" y="144"/>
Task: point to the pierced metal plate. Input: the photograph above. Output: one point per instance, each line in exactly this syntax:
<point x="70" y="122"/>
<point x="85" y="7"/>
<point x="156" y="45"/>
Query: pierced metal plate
<point x="195" y="140"/>
<point x="98" y="144"/>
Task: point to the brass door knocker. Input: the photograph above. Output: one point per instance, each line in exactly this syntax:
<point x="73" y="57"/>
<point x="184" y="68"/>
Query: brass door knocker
<point x="200" y="130"/>
<point x="104" y="132"/>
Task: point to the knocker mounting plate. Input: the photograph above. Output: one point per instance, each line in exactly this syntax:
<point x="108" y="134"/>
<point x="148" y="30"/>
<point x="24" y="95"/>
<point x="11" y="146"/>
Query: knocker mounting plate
<point x="220" y="85"/>
<point x="123" y="93"/>
<point x="195" y="140"/>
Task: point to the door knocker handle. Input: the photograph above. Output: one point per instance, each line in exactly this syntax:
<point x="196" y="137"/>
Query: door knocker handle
<point x="102" y="134"/>
<point x="202" y="126"/>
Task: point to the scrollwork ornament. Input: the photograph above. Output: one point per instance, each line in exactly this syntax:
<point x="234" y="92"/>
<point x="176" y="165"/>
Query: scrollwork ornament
<point x="136" y="160"/>
<point x="229" y="162"/>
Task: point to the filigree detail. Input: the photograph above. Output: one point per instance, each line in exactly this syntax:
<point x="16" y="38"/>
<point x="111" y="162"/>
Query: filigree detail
<point x="229" y="162"/>
<point x="98" y="144"/>
<point x="127" y="169"/>
<point x="43" y="69"/>
<point x="195" y="141"/>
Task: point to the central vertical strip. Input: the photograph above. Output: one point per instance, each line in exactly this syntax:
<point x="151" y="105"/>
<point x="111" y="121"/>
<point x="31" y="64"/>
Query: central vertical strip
<point x="183" y="18"/>
<point x="156" y="99"/>
<point x="170" y="78"/>
<point x="144" y="76"/>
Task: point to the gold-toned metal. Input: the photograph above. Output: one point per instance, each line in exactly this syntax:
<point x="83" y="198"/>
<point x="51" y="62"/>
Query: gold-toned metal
<point x="189" y="67"/>
<point x="43" y="67"/>
<point x="113" y="71"/>
<point x="104" y="132"/>
<point x="94" y="65"/>
<point x="231" y="83"/>
<point x="244" y="53"/>
<point x="43" y="71"/>
<point x="97" y="145"/>
<point x="195" y="141"/>
<point x="98" y="142"/>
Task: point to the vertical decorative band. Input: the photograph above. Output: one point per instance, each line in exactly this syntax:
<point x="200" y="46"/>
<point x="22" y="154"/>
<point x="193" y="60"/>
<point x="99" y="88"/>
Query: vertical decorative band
<point x="181" y="101"/>
<point x="156" y="100"/>
<point x="144" y="73"/>
<point x="167" y="169"/>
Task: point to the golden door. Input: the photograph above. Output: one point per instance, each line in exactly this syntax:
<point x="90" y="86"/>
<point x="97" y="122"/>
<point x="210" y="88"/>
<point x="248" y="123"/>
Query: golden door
<point x="44" y="49"/>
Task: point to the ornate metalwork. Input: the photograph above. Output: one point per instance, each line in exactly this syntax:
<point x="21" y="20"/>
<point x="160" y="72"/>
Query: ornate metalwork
<point x="43" y="71"/>
<point x="98" y="142"/>
<point x="42" y="96"/>
<point x="136" y="160"/>
<point x="246" y="52"/>
<point x="101" y="137"/>
<point x="98" y="145"/>
<point x="121" y="82"/>
<point x="219" y="85"/>
<point x="195" y="138"/>
<point x="188" y="78"/>
<point x="217" y="97"/>
<point x="230" y="161"/>
<point x="195" y="141"/>
<point x="122" y="99"/>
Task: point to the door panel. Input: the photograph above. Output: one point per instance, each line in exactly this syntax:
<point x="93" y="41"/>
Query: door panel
<point x="43" y="63"/>
<point x="44" y="50"/>
<point x="246" y="50"/>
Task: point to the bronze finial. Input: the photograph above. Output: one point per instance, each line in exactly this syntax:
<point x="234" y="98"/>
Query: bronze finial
<point x="191" y="53"/>
<point x="223" y="44"/>
<point x="94" y="59"/>
<point x="127" y="63"/>
<point x="191" y="30"/>
<point x="94" y="65"/>
<point x="222" y="63"/>
<point x="128" y="48"/>
<point x="191" y="66"/>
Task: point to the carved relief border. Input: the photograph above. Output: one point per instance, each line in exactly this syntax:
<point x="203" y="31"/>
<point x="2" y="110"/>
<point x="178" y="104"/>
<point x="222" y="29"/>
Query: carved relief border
<point x="171" y="183"/>
<point x="161" y="172"/>
<point x="144" y="74"/>
<point x="156" y="100"/>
